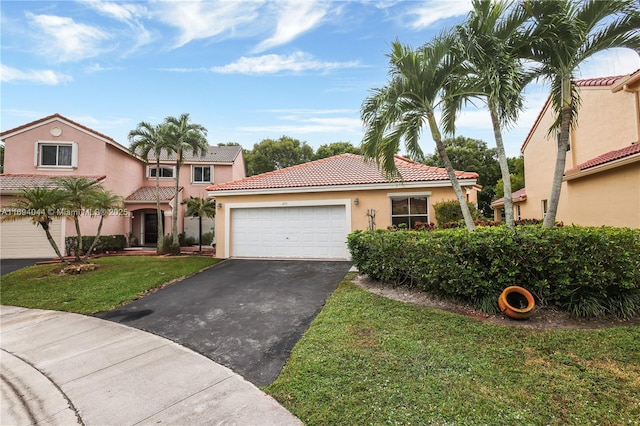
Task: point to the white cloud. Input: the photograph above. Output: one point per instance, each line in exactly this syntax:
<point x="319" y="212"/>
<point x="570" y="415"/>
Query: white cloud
<point x="342" y="121"/>
<point x="64" y="40"/>
<point x="295" y="18"/>
<point x="124" y="12"/>
<point x="49" y="77"/>
<point x="435" y="10"/>
<point x="610" y="62"/>
<point x="271" y="64"/>
<point x="204" y="19"/>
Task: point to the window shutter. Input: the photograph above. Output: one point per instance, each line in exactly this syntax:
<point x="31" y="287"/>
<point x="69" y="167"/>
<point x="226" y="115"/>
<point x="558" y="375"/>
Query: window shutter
<point x="35" y="154"/>
<point x="74" y="155"/>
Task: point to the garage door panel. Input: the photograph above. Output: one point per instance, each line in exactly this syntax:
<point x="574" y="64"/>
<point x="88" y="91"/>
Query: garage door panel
<point x="22" y="240"/>
<point x="296" y="232"/>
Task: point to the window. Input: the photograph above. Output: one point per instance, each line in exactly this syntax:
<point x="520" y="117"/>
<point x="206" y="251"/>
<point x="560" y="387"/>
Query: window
<point x="518" y="213"/>
<point x="201" y="174"/>
<point x="51" y="154"/>
<point x="544" y="208"/>
<point x="409" y="210"/>
<point x="165" y="172"/>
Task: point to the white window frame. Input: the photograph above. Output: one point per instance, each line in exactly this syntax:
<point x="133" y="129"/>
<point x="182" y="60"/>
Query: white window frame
<point x="37" y="157"/>
<point x="152" y="167"/>
<point x="407" y="196"/>
<point x="193" y="173"/>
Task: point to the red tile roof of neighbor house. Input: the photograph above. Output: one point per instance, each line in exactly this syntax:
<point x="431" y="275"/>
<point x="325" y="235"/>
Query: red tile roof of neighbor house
<point x="215" y="154"/>
<point x="339" y="170"/>
<point x="607" y="157"/>
<point x="147" y="194"/>
<point x="13" y="183"/>
<point x="519" y="195"/>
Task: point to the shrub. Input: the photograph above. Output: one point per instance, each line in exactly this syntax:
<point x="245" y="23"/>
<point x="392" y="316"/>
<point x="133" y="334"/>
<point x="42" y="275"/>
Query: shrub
<point x="450" y="211"/>
<point x="105" y="243"/>
<point x="207" y="238"/>
<point x="585" y="271"/>
<point x="186" y="241"/>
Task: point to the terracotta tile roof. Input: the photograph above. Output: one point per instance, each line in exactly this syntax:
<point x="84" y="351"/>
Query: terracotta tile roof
<point x="340" y="170"/>
<point x="519" y="195"/>
<point x="13" y="183"/>
<point x="148" y="194"/>
<point x="216" y="154"/>
<point x="588" y="82"/>
<point x="607" y="157"/>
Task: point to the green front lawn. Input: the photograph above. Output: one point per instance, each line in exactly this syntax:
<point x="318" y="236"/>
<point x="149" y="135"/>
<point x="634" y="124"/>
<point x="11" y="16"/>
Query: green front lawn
<point x="371" y="360"/>
<point x="118" y="280"/>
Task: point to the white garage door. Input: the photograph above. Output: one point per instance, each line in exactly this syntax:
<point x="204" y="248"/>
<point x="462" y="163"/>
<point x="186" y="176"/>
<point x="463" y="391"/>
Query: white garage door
<point x="24" y="240"/>
<point x="313" y="232"/>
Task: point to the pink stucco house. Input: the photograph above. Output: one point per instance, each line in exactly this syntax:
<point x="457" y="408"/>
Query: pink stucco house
<point x="56" y="146"/>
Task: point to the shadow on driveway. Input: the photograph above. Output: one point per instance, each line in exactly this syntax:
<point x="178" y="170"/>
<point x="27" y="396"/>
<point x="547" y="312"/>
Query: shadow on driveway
<point x="244" y="314"/>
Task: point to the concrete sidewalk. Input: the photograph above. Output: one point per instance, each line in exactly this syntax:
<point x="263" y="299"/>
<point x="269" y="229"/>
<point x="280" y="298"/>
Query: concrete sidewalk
<point x="62" y="368"/>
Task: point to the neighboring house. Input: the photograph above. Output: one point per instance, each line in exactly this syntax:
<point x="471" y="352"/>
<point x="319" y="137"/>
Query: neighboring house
<point x="601" y="184"/>
<point x="307" y="211"/>
<point x="56" y="146"/>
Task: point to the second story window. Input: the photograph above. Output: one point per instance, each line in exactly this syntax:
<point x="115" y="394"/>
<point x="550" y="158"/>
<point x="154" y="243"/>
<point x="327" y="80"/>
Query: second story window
<point x="201" y="174"/>
<point x="162" y="172"/>
<point x="56" y="154"/>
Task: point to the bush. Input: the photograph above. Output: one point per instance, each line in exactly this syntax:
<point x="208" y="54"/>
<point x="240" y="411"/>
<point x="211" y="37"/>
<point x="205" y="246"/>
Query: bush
<point x="450" y="211"/>
<point x="207" y="238"/>
<point x="105" y="244"/>
<point x="186" y="241"/>
<point x="585" y="271"/>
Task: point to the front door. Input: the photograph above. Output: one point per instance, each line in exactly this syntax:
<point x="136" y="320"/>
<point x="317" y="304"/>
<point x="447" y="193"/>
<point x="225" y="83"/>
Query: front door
<point x="150" y="228"/>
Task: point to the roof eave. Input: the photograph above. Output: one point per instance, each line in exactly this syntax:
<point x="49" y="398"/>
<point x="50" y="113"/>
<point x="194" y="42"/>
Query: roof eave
<point x="340" y="188"/>
<point x="602" y="167"/>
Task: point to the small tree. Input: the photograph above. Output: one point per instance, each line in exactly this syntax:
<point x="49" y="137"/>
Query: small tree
<point x="101" y="202"/>
<point x="42" y="205"/>
<point x="80" y="192"/>
<point x="200" y="207"/>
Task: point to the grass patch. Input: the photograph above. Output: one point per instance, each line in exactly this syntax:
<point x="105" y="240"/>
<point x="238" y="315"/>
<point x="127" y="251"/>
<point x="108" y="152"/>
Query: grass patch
<point x="118" y="280"/>
<point x="371" y="360"/>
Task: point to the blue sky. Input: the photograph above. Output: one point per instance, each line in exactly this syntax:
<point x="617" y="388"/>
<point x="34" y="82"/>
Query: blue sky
<point x="246" y="70"/>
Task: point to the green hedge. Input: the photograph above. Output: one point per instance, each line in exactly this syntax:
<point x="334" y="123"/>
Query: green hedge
<point x="585" y="271"/>
<point x="106" y="243"/>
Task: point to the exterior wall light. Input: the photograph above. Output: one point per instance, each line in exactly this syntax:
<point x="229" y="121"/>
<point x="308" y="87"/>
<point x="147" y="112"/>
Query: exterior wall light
<point x="219" y="206"/>
<point x="356" y="201"/>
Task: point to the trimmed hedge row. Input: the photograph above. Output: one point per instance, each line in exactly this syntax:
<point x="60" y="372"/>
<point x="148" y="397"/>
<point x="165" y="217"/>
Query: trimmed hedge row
<point x="106" y="243"/>
<point x="585" y="271"/>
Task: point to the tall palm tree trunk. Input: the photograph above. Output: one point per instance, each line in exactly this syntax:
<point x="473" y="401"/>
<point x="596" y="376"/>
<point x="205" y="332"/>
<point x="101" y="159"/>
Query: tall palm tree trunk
<point x="174" y="219"/>
<point x="504" y="169"/>
<point x="199" y="233"/>
<point x="437" y="138"/>
<point x="159" y="227"/>
<point x="78" y="250"/>
<point x="561" y="161"/>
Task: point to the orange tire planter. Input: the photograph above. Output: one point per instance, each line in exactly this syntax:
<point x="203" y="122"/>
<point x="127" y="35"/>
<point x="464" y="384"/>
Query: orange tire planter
<point x="512" y="311"/>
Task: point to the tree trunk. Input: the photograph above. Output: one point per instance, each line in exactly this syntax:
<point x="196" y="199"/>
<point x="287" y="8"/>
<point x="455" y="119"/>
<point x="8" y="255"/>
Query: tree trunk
<point x="437" y="138"/>
<point x="76" y="221"/>
<point x="561" y="160"/>
<point x="200" y="233"/>
<point x="95" y="240"/>
<point x="160" y="227"/>
<point x="174" y="219"/>
<point x="504" y="169"/>
<point x="45" y="226"/>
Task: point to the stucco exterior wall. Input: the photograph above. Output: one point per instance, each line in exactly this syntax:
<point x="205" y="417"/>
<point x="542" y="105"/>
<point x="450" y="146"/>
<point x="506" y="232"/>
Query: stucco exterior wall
<point x="607" y="198"/>
<point x="378" y="200"/>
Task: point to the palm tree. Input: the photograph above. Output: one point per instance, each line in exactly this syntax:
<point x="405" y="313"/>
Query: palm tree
<point x="101" y="202"/>
<point x="399" y="110"/>
<point x="79" y="192"/>
<point x="489" y="41"/>
<point x="148" y="140"/>
<point x="200" y="207"/>
<point x="183" y="136"/>
<point x="41" y="204"/>
<point x="563" y="34"/>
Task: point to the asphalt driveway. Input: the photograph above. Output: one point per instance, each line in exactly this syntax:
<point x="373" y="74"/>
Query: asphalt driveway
<point x="244" y="314"/>
<point x="10" y="265"/>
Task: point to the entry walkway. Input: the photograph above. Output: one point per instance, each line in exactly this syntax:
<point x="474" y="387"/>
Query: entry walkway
<point x="63" y="368"/>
